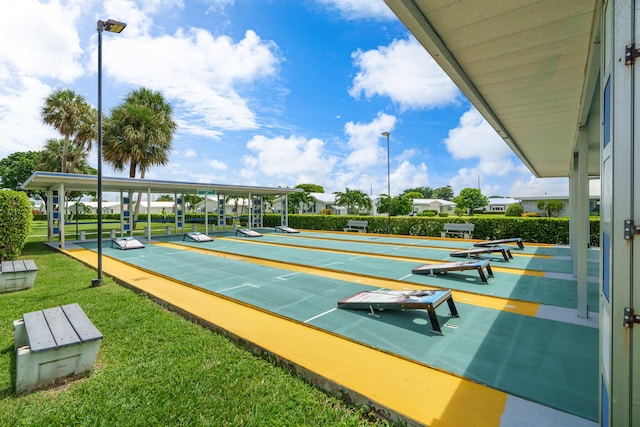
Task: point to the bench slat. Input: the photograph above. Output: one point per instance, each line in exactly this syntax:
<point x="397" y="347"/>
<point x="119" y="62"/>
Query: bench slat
<point x="7" y="267"/>
<point x="19" y="267"/>
<point x="38" y="332"/>
<point x="61" y="328"/>
<point x="85" y="329"/>
<point x="30" y="265"/>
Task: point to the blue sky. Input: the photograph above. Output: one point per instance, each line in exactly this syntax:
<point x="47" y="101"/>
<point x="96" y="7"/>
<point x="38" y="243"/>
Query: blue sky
<point x="269" y="93"/>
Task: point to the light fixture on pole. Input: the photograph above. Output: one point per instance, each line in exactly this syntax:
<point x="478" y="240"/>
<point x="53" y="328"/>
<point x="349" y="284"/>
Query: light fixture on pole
<point x="387" y="134"/>
<point x="113" y="27"/>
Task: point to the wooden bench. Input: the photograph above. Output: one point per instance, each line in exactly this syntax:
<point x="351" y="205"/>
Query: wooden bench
<point x="476" y="251"/>
<point x="458" y="229"/>
<point x="248" y="232"/>
<point x="17" y="275"/>
<point x="285" y="229"/>
<point x="516" y="240"/>
<point x="356" y="225"/>
<point x="402" y="300"/>
<point x="443" y="268"/>
<point x="52" y="344"/>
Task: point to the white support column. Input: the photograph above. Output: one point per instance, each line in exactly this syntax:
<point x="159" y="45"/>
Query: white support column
<point x="50" y="215"/>
<point x="582" y="227"/>
<point x="250" y="220"/>
<point x="62" y="207"/>
<point x="573" y="212"/>
<point x="149" y="214"/>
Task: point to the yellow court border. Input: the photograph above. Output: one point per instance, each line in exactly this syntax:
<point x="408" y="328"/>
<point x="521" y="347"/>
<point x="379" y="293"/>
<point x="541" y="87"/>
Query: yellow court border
<point x="420" y="393"/>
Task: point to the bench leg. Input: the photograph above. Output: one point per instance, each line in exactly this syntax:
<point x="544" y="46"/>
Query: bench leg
<point x="452" y="307"/>
<point x="433" y="318"/>
<point x="489" y="270"/>
<point x="482" y="275"/>
<point x="504" y="255"/>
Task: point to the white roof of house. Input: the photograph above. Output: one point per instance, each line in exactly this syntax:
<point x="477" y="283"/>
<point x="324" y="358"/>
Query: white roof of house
<point x="431" y="201"/>
<point x="503" y="201"/>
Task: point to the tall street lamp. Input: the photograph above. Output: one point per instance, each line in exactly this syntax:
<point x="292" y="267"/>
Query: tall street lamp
<point x="113" y="27"/>
<point x="387" y="134"/>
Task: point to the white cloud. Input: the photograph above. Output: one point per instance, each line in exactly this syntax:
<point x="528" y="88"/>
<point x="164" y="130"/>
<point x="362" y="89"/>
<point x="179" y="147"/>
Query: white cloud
<point x="48" y="47"/>
<point x="217" y="164"/>
<point x="408" y="175"/>
<point x="474" y="138"/>
<point x="367" y="145"/>
<point x="294" y="159"/>
<point x="404" y="72"/>
<point x="534" y="187"/>
<point x="21" y="127"/>
<point x="198" y="72"/>
<point x="358" y="9"/>
<point x="190" y="153"/>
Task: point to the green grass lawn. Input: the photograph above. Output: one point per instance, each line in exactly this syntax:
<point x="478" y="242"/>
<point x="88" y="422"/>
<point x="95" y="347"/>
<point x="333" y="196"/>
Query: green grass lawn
<point x="154" y="367"/>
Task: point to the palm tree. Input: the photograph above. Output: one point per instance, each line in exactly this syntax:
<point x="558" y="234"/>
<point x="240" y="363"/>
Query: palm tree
<point x="64" y="110"/>
<point x="139" y="133"/>
<point x="300" y="200"/>
<point x="354" y="200"/>
<point x="86" y="132"/>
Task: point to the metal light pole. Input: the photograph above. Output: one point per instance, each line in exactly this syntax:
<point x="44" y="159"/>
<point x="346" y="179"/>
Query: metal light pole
<point x="387" y="134"/>
<point x="113" y="27"/>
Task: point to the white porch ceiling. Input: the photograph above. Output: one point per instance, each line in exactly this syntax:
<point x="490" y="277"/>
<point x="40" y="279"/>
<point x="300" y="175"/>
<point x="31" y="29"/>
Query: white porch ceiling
<point x="530" y="67"/>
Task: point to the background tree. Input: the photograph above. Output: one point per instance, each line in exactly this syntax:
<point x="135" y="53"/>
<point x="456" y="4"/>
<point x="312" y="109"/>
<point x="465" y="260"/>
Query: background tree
<point x="311" y="188"/>
<point x="471" y="199"/>
<point x="514" y="209"/>
<point x="268" y="201"/>
<point x="165" y="198"/>
<point x="138" y="134"/>
<point x="400" y="205"/>
<point x="354" y="200"/>
<point x="191" y="200"/>
<point x="443" y="193"/>
<point x="235" y="198"/>
<point x="550" y="207"/>
<point x="86" y="133"/>
<point x="65" y="110"/>
<point x="300" y="201"/>
<point x="17" y="167"/>
<point x="425" y="191"/>
<point x="413" y="195"/>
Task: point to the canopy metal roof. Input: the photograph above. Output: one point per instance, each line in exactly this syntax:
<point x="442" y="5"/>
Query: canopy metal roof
<point x="530" y="67"/>
<point x="89" y="183"/>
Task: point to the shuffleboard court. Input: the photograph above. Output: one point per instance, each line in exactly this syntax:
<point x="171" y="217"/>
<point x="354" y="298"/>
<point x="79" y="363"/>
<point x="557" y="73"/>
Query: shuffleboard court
<point x="549" y="362"/>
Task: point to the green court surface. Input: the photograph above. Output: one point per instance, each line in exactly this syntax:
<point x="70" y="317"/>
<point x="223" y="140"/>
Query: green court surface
<point x="382" y="261"/>
<point x="550" y="362"/>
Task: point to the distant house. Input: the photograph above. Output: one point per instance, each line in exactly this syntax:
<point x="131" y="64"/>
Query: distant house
<point x="230" y="206"/>
<point x="530" y="204"/>
<point x="500" y="204"/>
<point x="114" y="207"/>
<point x="438" y="205"/>
<point x="323" y="202"/>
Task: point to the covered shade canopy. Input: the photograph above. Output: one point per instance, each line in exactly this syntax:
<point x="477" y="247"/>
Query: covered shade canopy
<point x="44" y="181"/>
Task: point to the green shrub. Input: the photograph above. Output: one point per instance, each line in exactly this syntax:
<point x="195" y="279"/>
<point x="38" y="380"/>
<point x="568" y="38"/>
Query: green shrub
<point x="15" y="223"/>
<point x="514" y="210"/>
<point x="531" y="214"/>
<point x="443" y="214"/>
<point x="428" y="213"/>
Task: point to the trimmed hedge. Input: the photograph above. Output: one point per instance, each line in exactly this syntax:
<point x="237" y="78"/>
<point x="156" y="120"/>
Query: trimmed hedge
<point x="534" y="230"/>
<point x="15" y="223"/>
